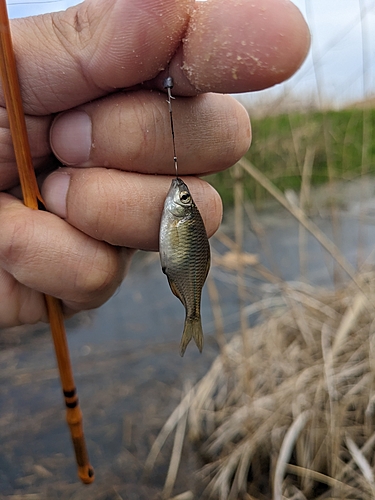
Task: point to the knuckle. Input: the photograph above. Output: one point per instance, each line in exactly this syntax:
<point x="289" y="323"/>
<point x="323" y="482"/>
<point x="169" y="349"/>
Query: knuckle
<point x="143" y="119"/>
<point x="74" y="33"/>
<point x="100" y="202"/>
<point x="97" y="281"/>
<point x="71" y="28"/>
<point x="94" y="204"/>
<point x="16" y="236"/>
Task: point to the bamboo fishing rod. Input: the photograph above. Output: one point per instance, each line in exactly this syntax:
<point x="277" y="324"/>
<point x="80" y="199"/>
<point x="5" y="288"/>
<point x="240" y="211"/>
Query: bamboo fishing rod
<point x="33" y="199"/>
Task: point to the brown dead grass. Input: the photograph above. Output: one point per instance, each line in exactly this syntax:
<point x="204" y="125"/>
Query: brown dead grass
<point x="287" y="409"/>
<point x="295" y="419"/>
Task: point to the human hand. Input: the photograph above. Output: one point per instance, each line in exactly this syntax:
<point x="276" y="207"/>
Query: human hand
<point x="100" y="67"/>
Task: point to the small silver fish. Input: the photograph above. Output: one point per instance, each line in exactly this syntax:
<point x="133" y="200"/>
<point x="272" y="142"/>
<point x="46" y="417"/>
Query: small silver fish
<point x="185" y="256"/>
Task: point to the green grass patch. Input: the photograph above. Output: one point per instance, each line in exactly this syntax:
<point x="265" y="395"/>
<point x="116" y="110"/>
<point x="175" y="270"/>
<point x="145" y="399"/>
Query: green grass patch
<point x="341" y="141"/>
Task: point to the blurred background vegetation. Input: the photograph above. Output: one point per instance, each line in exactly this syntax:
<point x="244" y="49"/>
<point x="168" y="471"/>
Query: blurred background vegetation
<point x="340" y="143"/>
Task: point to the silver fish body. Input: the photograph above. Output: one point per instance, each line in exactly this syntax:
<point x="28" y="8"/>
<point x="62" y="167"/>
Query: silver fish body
<point x="185" y="256"/>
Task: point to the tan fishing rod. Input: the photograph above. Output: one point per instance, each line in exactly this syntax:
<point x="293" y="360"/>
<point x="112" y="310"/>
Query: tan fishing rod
<point x="32" y="199"/>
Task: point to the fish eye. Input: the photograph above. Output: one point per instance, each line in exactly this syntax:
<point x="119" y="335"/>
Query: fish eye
<point x="185" y="197"/>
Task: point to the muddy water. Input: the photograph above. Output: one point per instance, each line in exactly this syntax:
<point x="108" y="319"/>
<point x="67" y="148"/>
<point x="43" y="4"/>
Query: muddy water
<point x="129" y="376"/>
<point x="129" y="373"/>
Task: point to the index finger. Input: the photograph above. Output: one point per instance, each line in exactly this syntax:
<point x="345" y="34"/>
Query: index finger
<point x="99" y="46"/>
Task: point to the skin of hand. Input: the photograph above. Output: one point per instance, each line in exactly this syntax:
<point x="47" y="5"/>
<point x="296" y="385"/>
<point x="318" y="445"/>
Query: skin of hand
<point x="92" y="85"/>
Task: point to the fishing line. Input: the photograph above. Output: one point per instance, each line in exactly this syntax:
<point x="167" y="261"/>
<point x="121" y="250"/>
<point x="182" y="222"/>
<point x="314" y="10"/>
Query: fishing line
<point x="168" y="85"/>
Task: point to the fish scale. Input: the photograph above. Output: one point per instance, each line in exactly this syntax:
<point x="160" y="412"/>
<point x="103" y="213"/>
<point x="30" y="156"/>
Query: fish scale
<point x="185" y="256"/>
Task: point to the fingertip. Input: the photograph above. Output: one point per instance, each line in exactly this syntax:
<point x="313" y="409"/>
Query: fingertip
<point x="215" y="212"/>
<point x="243" y="46"/>
<point x="244" y="136"/>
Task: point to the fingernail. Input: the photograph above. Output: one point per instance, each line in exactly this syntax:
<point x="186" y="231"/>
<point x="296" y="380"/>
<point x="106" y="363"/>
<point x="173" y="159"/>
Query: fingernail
<point x="70" y="137"/>
<point x="54" y="192"/>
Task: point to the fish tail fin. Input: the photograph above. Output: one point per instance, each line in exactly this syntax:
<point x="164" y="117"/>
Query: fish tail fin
<point x="192" y="330"/>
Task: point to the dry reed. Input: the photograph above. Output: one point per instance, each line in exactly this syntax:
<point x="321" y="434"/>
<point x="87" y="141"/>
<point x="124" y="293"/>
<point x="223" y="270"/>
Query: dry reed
<point x="305" y="431"/>
<point x="286" y="410"/>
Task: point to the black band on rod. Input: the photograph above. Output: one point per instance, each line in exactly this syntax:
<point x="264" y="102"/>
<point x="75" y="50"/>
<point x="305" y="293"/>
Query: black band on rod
<point x="72" y="404"/>
<point x="70" y="394"/>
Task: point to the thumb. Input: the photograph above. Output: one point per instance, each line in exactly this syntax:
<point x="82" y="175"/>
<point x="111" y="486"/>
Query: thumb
<point x="70" y="57"/>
